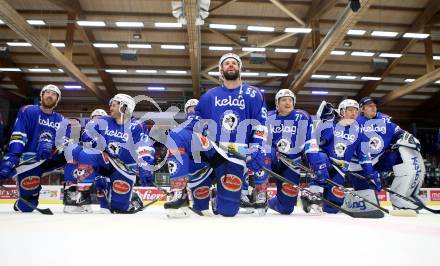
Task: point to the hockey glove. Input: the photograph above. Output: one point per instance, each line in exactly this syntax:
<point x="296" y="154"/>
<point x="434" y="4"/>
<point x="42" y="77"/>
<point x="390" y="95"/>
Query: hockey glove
<point x="44" y="147"/>
<point x="102" y="185"/>
<point x="146" y="177"/>
<point x="255" y="159"/>
<point x="319" y="163"/>
<point x="376" y="179"/>
<point x="7" y="166"/>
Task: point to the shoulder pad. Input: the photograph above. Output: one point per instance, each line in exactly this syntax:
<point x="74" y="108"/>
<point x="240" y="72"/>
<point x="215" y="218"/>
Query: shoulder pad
<point x="272" y="112"/>
<point x="28" y="107"/>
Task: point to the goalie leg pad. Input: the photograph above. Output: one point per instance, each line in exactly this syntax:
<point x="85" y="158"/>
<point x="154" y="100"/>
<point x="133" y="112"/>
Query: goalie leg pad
<point x="409" y="176"/>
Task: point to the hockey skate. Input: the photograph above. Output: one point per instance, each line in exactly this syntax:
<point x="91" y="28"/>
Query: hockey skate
<point x="260" y="199"/>
<point x="77" y="200"/>
<point x="312" y="204"/>
<point x="178" y="206"/>
<point x="246" y="203"/>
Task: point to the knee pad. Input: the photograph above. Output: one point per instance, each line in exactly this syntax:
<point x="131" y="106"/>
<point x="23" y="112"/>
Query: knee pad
<point x="20" y="206"/>
<point x="276" y="205"/>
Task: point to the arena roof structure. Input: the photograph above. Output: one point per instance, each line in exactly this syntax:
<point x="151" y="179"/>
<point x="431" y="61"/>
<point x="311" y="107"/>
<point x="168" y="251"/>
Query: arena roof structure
<point x="320" y="49"/>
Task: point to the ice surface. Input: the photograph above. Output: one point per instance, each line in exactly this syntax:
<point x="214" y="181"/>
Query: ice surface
<point x="149" y="238"/>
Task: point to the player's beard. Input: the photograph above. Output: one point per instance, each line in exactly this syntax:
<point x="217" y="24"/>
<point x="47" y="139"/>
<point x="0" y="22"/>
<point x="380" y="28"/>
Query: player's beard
<point x="231" y="75"/>
<point x="46" y="103"/>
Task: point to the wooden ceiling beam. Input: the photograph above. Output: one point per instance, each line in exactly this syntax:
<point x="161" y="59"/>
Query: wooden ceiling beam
<point x="70" y="36"/>
<point x="221" y="5"/>
<point x="333" y="38"/>
<point x="243" y="43"/>
<point x="422" y="81"/>
<point x="13" y="97"/>
<point x="18" y="24"/>
<point x="428" y="52"/>
<point x="288" y="12"/>
<point x="315" y="11"/>
<point x="74" y="6"/>
<point x="194" y="43"/>
<point x="17" y="78"/>
<point x="269" y="42"/>
<point x="401" y="47"/>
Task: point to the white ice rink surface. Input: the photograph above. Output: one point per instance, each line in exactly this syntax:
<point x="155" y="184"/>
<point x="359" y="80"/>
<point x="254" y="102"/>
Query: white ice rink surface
<point x="149" y="238"/>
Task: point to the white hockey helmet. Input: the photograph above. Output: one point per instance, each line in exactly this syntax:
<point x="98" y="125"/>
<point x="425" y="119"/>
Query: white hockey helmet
<point x="189" y="103"/>
<point x="51" y="87"/>
<point x="226" y="56"/>
<point x="124" y="100"/>
<point x="99" y="112"/>
<point x="347" y="103"/>
<point x="284" y="93"/>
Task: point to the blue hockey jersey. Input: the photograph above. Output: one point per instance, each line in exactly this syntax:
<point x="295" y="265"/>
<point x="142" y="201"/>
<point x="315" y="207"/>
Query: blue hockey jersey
<point x="380" y="132"/>
<point x="291" y="135"/>
<point x="31" y="125"/>
<point x="237" y="116"/>
<point x="126" y="143"/>
<point x="340" y="142"/>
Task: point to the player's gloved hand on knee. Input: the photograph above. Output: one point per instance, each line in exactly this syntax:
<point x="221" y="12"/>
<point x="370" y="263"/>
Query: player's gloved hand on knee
<point x="7" y="166"/>
<point x="321" y="173"/>
<point x="102" y="185"/>
<point x="146" y="177"/>
<point x="44" y="147"/>
<point x="255" y="159"/>
<point x="374" y="177"/>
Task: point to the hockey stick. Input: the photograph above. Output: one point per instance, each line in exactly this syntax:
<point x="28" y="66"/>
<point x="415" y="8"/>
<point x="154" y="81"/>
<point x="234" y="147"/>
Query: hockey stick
<point x="406" y="213"/>
<point x="302" y="189"/>
<point x="416" y="202"/>
<point x="30" y="205"/>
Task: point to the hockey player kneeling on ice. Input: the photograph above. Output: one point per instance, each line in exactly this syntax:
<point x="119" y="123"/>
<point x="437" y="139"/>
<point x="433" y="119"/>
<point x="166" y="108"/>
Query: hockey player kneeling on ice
<point x="32" y="149"/>
<point x="115" y="149"/>
<point x="184" y="171"/>
<point x="291" y="134"/>
<point x="339" y="139"/>
<point x="77" y="191"/>
<point x="391" y="149"/>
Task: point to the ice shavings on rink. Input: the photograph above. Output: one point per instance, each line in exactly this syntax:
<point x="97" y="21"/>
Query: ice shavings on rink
<point x="149" y="238"/>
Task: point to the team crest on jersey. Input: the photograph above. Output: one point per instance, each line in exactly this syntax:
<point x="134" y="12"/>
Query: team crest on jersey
<point x="231" y="182"/>
<point x="113" y="148"/>
<point x="230" y="120"/>
<point x="173" y="166"/>
<point x="201" y="192"/>
<point x="340" y="149"/>
<point x="339" y="193"/>
<point x="83" y="171"/>
<point x="30" y="183"/>
<point x="121" y="187"/>
<point x="375" y="144"/>
<point x="45" y="136"/>
<point x="283" y="145"/>
<point x="289" y="190"/>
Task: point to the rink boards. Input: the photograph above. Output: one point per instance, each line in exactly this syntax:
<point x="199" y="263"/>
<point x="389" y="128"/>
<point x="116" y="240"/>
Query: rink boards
<point x="53" y="195"/>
